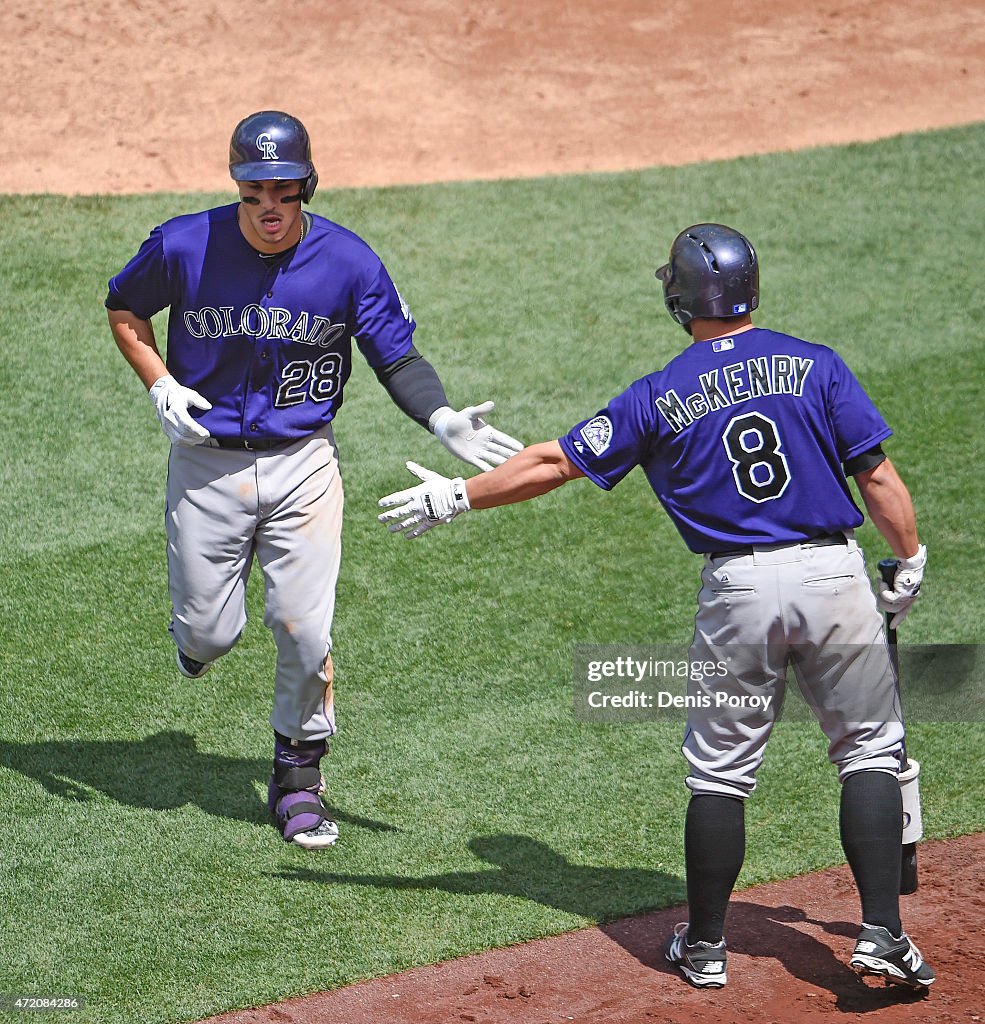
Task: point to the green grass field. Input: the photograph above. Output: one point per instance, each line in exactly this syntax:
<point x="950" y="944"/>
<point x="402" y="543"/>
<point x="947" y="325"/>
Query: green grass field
<point x="140" y="872"/>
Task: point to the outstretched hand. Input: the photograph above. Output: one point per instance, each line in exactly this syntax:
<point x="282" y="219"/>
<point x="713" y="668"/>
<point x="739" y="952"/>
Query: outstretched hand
<point x="435" y="501"/>
<point x="467" y="435"/>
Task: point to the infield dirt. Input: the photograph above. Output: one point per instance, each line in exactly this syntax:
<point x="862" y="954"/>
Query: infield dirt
<point x="139" y="95"/>
<point x="117" y="96"/>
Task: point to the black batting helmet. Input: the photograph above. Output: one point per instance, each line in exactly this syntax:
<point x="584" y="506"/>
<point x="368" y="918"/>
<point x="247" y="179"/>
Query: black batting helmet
<point x="713" y="272"/>
<point x="272" y="144"/>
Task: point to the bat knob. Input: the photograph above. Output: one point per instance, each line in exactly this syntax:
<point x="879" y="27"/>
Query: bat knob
<point x="887" y="570"/>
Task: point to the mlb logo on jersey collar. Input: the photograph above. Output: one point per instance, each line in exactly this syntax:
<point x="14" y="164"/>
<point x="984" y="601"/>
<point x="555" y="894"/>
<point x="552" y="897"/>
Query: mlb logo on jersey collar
<point x="722" y="345"/>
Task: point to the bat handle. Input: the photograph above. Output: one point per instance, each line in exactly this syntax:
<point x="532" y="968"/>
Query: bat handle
<point x="887" y="570"/>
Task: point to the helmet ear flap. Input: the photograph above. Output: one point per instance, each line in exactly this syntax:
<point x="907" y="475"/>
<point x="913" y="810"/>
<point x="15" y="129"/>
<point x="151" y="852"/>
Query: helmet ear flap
<point x="673" y="301"/>
<point x="309" y="185"/>
<point x="673" y="304"/>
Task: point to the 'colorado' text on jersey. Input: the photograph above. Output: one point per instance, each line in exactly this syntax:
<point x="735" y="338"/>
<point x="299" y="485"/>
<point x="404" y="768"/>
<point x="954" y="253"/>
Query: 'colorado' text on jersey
<point x="741" y="438"/>
<point x="267" y="340"/>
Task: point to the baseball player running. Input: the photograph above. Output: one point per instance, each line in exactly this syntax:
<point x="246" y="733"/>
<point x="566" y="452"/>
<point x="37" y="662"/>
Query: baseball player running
<point x="747" y="439"/>
<point x="265" y="300"/>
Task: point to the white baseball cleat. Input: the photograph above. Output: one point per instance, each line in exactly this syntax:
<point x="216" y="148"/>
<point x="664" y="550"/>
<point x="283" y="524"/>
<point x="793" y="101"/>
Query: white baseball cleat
<point x="191" y="668"/>
<point x="320" y="838"/>
<point x="896" y="960"/>
<point x="703" y="964"/>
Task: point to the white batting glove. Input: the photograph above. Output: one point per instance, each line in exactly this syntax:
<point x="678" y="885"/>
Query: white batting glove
<point x="467" y="435"/>
<point x="438" y="500"/>
<point x="906" y="587"/>
<point x="172" y="401"/>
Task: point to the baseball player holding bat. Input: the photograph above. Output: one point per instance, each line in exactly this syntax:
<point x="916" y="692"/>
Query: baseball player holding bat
<point x="748" y="438"/>
<point x="265" y="300"/>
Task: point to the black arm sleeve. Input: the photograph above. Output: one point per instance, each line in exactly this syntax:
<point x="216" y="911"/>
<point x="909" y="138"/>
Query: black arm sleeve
<point x="114" y="302"/>
<point x="866" y="460"/>
<point x="413" y="385"/>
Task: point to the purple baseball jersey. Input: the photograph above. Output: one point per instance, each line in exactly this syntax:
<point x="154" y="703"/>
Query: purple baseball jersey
<point x="268" y="341"/>
<point x="742" y="439"/>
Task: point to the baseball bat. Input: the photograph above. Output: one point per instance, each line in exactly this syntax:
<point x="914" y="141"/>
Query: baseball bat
<point x="909" y="879"/>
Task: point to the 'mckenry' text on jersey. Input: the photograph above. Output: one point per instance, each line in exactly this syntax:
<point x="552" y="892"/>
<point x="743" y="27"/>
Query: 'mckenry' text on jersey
<point x="720" y="388"/>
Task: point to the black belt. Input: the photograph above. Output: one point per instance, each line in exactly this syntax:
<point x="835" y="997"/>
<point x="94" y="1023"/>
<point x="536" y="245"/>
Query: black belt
<point x="261" y="444"/>
<point x="820" y="541"/>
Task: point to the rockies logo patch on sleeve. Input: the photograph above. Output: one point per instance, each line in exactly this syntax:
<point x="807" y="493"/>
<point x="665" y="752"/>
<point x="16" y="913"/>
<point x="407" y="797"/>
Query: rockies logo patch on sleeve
<point x="597" y="433"/>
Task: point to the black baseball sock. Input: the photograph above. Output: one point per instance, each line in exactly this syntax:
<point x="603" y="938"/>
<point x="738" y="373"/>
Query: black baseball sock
<point x="714" y="848"/>
<point x="871" y="835"/>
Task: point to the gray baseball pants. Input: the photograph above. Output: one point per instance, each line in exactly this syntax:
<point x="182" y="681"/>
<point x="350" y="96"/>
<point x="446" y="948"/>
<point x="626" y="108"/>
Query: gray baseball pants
<point x="283" y="507"/>
<point x="809" y="607"/>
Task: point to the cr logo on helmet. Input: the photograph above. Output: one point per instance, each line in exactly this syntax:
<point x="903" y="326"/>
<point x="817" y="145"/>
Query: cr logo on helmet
<point x="267" y="146"/>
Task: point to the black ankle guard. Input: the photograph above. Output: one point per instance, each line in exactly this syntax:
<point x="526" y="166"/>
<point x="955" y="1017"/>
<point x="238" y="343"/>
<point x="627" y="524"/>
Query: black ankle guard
<point x="296" y="779"/>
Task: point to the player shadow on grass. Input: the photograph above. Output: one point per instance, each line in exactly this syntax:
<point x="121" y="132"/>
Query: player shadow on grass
<point x="530" y="869"/>
<point x="160" y="773"/>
